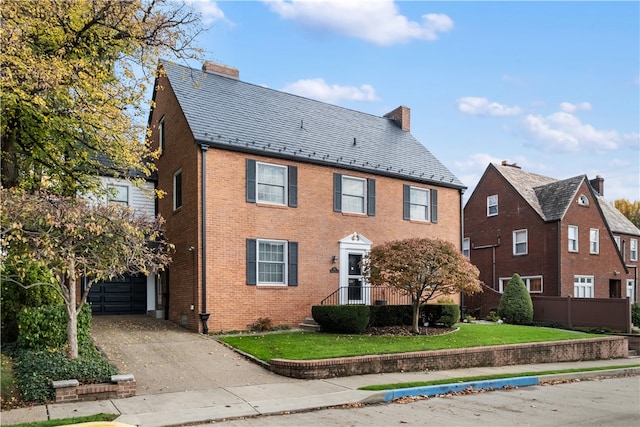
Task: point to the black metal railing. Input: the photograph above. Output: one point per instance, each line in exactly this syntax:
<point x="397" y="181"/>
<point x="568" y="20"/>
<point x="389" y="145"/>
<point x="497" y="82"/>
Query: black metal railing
<point x="366" y="295"/>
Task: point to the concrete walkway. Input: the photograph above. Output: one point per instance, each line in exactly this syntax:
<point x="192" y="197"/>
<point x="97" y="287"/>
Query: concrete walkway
<point x="185" y="378"/>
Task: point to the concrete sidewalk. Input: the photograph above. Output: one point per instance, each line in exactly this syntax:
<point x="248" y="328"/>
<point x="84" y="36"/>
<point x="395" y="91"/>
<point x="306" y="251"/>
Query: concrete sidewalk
<point x="199" y="406"/>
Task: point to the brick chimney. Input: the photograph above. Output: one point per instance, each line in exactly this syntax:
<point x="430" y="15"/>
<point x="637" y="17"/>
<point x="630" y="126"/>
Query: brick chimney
<point x="221" y="69"/>
<point x="598" y="184"/>
<point x="402" y="117"/>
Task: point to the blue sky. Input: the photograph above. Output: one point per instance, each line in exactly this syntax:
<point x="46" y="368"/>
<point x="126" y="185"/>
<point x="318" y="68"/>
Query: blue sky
<point x="551" y="86"/>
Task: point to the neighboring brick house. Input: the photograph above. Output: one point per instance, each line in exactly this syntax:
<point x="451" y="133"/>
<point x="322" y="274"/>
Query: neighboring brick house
<point x="560" y="236"/>
<point x="293" y="193"/>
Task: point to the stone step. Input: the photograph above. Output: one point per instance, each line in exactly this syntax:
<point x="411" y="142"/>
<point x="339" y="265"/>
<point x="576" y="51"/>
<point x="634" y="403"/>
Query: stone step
<point x="309" y="325"/>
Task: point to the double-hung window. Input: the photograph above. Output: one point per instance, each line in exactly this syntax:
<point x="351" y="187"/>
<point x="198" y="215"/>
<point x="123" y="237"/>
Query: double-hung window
<point x="573" y="238"/>
<point x="118" y="194"/>
<point x="177" y="189"/>
<point x="594" y="241"/>
<point x="272" y="184"/>
<point x="354" y="195"/>
<point x="272" y="262"/>
<point x="520" y="242"/>
<point x="420" y="204"/>
<point x="492" y="205"/>
<point x="466" y="247"/>
<point x="633" y="248"/>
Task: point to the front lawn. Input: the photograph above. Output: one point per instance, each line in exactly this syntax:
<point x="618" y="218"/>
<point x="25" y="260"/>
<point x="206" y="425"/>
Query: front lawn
<point x="308" y="346"/>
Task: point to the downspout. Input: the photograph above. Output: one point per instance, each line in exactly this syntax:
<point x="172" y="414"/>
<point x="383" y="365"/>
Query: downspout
<point x="493" y="259"/>
<point x="204" y="316"/>
<point x="560" y="258"/>
<point x="462" y="313"/>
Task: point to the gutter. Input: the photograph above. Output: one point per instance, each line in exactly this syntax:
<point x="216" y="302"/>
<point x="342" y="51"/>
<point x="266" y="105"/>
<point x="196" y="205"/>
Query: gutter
<point x="204" y="316"/>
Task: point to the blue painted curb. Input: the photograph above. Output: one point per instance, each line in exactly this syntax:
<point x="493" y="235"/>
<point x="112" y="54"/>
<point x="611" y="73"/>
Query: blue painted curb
<point x="434" y="390"/>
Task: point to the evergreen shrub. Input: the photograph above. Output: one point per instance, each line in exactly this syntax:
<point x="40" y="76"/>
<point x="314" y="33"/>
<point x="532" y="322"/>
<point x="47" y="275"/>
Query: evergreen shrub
<point x="515" y="305"/>
<point x="346" y="319"/>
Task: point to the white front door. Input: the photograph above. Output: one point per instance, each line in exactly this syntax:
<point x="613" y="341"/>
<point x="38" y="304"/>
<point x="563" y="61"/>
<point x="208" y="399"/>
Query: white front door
<point x="354" y="289"/>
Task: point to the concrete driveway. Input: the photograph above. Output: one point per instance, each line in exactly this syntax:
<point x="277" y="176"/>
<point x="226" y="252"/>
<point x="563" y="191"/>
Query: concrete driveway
<point x="164" y="357"/>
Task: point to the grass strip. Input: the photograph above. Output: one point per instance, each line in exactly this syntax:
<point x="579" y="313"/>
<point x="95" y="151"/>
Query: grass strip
<point x="381" y="387"/>
<point x="313" y="345"/>
<point x="68" y="421"/>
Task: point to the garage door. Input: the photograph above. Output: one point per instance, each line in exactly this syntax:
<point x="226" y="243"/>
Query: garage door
<point x="123" y="295"/>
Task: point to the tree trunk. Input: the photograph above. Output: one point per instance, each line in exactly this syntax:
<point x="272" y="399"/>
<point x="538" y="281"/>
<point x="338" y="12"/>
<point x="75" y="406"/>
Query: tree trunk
<point x="72" y="314"/>
<point x="415" y="303"/>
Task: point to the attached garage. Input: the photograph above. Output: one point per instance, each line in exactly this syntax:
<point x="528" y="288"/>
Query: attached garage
<point x="123" y="295"/>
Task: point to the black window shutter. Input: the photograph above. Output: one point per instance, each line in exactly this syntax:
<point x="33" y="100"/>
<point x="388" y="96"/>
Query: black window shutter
<point x="406" y="202"/>
<point x="293" y="263"/>
<point x="434" y="206"/>
<point x="293" y="186"/>
<point x="371" y="197"/>
<point x="337" y="192"/>
<point x="252" y="262"/>
<point x="251" y="180"/>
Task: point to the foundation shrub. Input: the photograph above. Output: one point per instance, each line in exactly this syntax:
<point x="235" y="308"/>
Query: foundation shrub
<point x="346" y="319"/>
<point x="390" y="315"/>
<point x="445" y="315"/>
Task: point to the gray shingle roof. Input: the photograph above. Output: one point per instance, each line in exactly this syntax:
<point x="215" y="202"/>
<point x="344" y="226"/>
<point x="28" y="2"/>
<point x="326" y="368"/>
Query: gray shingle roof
<point x="227" y="113"/>
<point x="550" y="197"/>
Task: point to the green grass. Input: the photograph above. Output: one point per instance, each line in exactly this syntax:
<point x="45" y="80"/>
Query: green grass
<point x="67" y="421"/>
<point x="395" y="386"/>
<point x="309" y="346"/>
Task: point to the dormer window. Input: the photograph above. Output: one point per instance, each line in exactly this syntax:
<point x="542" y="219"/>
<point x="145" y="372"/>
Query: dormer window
<point x="583" y="200"/>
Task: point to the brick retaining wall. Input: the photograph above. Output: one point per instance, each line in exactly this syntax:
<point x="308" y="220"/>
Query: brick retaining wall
<point x="610" y="347"/>
<point x="71" y="391"/>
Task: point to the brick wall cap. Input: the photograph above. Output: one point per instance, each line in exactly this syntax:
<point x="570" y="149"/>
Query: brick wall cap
<point x="122" y="377"/>
<point x="65" y="383"/>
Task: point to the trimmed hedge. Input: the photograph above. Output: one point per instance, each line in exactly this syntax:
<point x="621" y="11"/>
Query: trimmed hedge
<point x="515" y="305"/>
<point x="635" y="314"/>
<point x="45" y="328"/>
<point x="347" y="319"/>
<point x="445" y="315"/>
<point x="390" y="315"/>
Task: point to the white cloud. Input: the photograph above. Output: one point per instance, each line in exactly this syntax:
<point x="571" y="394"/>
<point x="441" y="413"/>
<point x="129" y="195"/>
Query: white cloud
<point x="568" y="107"/>
<point x="482" y="107"/>
<point x="562" y="130"/>
<point x="322" y="91"/>
<point x="379" y="21"/>
<point x="209" y="10"/>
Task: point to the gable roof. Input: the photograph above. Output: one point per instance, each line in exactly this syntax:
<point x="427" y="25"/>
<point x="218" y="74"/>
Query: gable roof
<point x="227" y="113"/>
<point x="551" y="198"/>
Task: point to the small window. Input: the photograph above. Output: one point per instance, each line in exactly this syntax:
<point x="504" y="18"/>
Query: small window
<point x="583" y="200"/>
<point x="177" y="190"/>
<point x="594" y="241"/>
<point x="466" y="248"/>
<point x="573" y="238"/>
<point x="520" y="242"/>
<point x="119" y="194"/>
<point x="633" y="247"/>
<point x="492" y="205"/>
<point x="161" y="135"/>
<point x="419" y="204"/>
<point x="618" y="241"/>
<point x="272" y="183"/>
<point x="354" y="195"/>
<point x="533" y="283"/>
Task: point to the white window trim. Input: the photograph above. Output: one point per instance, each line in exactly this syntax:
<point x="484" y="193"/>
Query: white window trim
<point x="527" y="282"/>
<point x="161" y="134"/>
<point x="491" y="203"/>
<point x="590" y="285"/>
<point x="577" y="249"/>
<point x="466" y="247"/>
<point x="365" y="195"/>
<point x="285" y="185"/>
<point x="427" y="206"/>
<point x="583" y="200"/>
<point x="285" y="275"/>
<point x="594" y="245"/>
<point x="175" y="174"/>
<point x="633" y="250"/>
<point x="526" y="241"/>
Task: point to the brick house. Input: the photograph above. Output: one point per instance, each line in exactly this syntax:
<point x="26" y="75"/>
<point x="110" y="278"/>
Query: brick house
<point x="272" y="199"/>
<point x="561" y="236"/>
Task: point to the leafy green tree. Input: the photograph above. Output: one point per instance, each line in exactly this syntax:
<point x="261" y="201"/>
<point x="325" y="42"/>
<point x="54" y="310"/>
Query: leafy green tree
<point x="515" y="304"/>
<point x="73" y="84"/>
<point x="629" y="209"/>
<point x="422" y="268"/>
<point x="76" y="238"/>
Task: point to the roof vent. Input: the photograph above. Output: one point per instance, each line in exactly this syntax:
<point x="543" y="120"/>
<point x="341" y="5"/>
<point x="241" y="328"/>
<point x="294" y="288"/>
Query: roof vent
<point x="221" y="69"/>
